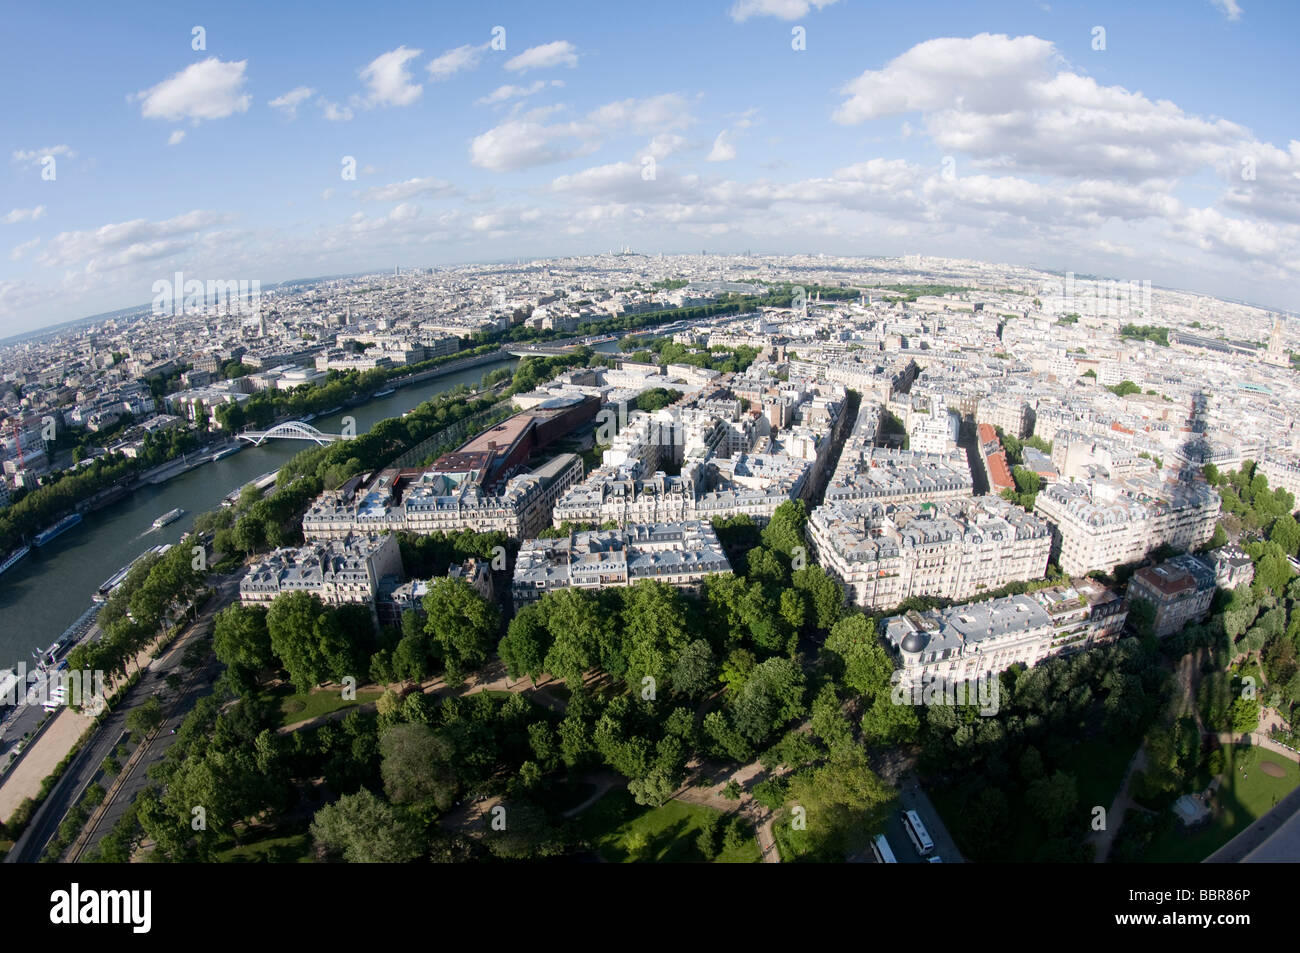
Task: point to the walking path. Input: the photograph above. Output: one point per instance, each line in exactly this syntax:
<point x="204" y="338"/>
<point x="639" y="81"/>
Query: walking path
<point x="1104" y="840"/>
<point x="492" y="678"/>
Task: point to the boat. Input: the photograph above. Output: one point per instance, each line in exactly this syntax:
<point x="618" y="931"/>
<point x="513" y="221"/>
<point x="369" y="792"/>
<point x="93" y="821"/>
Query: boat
<point x="222" y="454"/>
<point x="386" y="392"/>
<point x="331" y="410"/>
<point x="171" y="516"/>
<point x="308" y="419"/>
<point x="111" y="584"/>
<point x="13" y="558"/>
<point x="62" y="526"/>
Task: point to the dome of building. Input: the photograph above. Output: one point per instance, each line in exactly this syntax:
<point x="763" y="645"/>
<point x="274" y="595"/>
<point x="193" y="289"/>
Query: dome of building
<point x="914" y="641"/>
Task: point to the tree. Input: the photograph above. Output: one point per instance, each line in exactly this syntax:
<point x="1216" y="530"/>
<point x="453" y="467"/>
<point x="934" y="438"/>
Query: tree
<point x="824" y="594"/>
<point x="887" y="724"/>
<point x="771" y="696"/>
<point x="417" y="766"/>
<point x="654" y="630"/>
<point x="694" y="672"/>
<point x="146" y="717"/>
<point x="577" y="628"/>
<point x="366" y="830"/>
<point x="866" y="664"/>
<point x="828" y="721"/>
<point x="526" y="642"/>
<point x="240" y="637"/>
<point x="1245" y="715"/>
<point x="843" y="800"/>
<point x="1286" y="534"/>
<point x="1054" y="798"/>
<point x="784" y="531"/>
<point x="309" y="640"/>
<point x="463" y="624"/>
<point x="527" y="834"/>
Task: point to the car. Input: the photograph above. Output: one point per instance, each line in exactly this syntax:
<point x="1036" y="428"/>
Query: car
<point x="936" y="859"/>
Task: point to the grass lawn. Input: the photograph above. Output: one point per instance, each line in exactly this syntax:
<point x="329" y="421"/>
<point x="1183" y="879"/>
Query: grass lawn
<point x="322" y="701"/>
<point x="669" y="832"/>
<point x="564" y="795"/>
<point x="1098" y="766"/>
<point x="290" y="849"/>
<point x="1240" y="800"/>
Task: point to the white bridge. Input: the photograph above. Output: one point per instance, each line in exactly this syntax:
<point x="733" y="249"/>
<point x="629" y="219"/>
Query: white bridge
<point x="289" y="430"/>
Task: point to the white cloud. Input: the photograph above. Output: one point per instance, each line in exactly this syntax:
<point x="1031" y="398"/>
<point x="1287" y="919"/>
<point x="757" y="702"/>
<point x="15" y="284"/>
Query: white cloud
<point x="290" y="101"/>
<point x="20" y="296"/>
<point x="1010" y="103"/>
<point x="334" y="112"/>
<point x="389" y="80"/>
<point x="32" y="157"/>
<point x="723" y="150"/>
<point x="176" y="136"/>
<point x="125" y="243"/>
<point x="521" y="143"/>
<point x="23" y="215"/>
<point x="742" y="10"/>
<point x="503" y="93"/>
<point x="1230" y="8"/>
<point x="529" y="140"/>
<point x="401" y="191"/>
<point x="455" y="61"/>
<point x="22" y="248"/>
<point x="665" y="144"/>
<point x="327" y="194"/>
<point x="211" y="89"/>
<point x="666" y="111"/>
<point x="546" y="56"/>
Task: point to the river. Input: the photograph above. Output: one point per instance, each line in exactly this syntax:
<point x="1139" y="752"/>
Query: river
<point x="45" y="592"/>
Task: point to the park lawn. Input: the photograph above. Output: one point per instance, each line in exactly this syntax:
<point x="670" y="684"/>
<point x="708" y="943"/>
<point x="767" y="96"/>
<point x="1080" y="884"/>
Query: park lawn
<point x="1241" y="801"/>
<point x="670" y="831"/>
<point x="322" y="701"/>
<point x="290" y="849"/>
<point x="1098" y="766"/>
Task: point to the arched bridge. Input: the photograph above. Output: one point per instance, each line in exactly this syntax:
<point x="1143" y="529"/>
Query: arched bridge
<point x="289" y="430"/>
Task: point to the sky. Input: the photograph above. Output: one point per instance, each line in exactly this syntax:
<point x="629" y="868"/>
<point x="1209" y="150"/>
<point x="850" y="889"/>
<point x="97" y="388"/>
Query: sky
<point x="247" y="141"/>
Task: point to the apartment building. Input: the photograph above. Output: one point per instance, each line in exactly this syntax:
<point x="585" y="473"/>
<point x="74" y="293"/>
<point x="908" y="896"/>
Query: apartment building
<point x="1100" y="524"/>
<point x="967" y="642"/>
<point x="448" y="498"/>
<point x="336" y="571"/>
<point x="897" y="476"/>
<point x="680" y="554"/>
<point x="1181" y="590"/>
<point x="884" y="553"/>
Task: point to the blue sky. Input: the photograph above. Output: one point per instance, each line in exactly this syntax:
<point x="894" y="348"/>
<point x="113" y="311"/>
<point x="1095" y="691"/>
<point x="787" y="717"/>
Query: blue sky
<point x="983" y="130"/>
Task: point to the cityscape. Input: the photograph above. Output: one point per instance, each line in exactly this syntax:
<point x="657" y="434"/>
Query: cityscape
<point x="593" y="545"/>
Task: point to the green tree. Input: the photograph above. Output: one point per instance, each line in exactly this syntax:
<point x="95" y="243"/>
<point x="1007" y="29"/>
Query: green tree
<point x="771" y="696"/>
<point x="463" y="624"/>
<point x="240" y="637"/>
<point x="526" y="642"/>
<point x="694" y="672"/>
<point x="366" y="830"/>
<point x="417" y="766"/>
<point x="146" y="717"/>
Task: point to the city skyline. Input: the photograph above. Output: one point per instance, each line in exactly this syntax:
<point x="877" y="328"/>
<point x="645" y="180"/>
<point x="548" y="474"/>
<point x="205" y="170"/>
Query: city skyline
<point x="1018" y="133"/>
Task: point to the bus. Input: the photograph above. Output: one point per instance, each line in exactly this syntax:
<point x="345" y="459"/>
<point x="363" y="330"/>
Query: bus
<point x="880" y="847"/>
<point x="917" y="833"/>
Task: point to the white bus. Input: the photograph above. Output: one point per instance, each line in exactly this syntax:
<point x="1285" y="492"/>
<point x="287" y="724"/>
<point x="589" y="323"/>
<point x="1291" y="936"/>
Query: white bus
<point x="880" y="847"/>
<point x="917" y="833"/>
